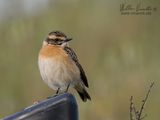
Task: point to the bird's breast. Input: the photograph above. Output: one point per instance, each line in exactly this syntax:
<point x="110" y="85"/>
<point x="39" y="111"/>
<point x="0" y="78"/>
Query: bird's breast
<point x="50" y="51"/>
<point x="56" y="68"/>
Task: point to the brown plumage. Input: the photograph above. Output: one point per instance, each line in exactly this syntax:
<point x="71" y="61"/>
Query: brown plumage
<point x="59" y="65"/>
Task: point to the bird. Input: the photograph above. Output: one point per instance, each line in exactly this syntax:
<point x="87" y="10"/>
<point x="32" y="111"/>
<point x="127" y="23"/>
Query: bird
<point x="59" y="66"/>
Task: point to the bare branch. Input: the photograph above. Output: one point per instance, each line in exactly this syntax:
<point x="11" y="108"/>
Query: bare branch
<point x="131" y="108"/>
<point x="144" y="101"/>
<point x="137" y="114"/>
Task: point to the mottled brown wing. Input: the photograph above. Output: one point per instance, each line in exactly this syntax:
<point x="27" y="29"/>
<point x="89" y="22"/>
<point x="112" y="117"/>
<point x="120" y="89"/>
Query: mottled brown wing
<point x="73" y="56"/>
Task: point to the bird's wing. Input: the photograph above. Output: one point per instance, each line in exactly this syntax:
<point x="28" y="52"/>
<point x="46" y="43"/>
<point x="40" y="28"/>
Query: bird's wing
<point x="73" y="56"/>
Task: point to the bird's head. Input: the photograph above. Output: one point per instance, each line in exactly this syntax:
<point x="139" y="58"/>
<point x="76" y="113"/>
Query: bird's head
<point x="57" y="38"/>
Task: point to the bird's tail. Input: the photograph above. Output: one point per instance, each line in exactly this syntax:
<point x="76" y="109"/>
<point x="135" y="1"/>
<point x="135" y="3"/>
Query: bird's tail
<point x="83" y="93"/>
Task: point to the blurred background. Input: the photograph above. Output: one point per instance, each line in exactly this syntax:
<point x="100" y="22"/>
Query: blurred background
<point x="120" y="54"/>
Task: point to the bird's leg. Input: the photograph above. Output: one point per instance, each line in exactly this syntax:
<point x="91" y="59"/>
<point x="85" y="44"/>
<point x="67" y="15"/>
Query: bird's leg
<point x="57" y="91"/>
<point x="67" y="88"/>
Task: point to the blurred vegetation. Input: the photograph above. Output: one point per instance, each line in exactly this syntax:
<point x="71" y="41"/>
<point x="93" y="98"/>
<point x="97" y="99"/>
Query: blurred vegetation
<point x="119" y="53"/>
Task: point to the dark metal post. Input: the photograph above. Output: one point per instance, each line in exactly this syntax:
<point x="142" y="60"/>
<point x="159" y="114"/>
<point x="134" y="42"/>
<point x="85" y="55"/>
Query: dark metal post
<point x="61" y="107"/>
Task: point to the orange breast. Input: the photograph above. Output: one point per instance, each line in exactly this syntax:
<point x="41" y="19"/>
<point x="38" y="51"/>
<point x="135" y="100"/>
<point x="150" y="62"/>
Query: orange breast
<point x="50" y="51"/>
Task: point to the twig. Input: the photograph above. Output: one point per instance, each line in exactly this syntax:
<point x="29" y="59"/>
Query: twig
<point x="144" y="101"/>
<point x="136" y="114"/>
<point x="133" y="112"/>
<point x="131" y="108"/>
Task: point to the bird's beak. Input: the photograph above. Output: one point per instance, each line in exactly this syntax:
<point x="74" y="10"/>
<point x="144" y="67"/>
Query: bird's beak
<point x="68" y="39"/>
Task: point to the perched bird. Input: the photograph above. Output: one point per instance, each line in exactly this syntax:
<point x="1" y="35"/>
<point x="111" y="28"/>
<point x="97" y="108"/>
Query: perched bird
<point x="59" y="65"/>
